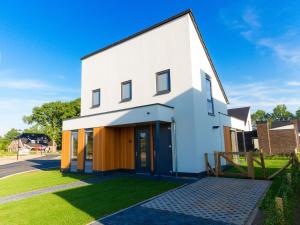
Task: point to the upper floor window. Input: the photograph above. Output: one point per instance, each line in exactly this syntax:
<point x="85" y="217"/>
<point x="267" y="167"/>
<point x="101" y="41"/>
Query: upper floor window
<point x="96" y="98"/>
<point x="163" y="84"/>
<point x="210" y="102"/>
<point x="126" y="91"/>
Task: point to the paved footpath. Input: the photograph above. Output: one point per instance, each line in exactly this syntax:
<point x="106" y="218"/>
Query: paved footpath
<point x="20" y="196"/>
<point x="209" y="201"/>
<point x="40" y="163"/>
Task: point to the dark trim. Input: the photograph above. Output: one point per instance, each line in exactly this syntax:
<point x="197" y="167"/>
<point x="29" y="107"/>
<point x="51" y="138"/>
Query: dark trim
<point x="126" y="99"/>
<point x="65" y="170"/>
<point x="110" y="172"/>
<point x="120" y="110"/>
<point x="189" y="11"/>
<point x="169" y="82"/>
<point x="94" y="91"/>
<point x="211" y="100"/>
<point x="156" y="148"/>
<point x="197" y="175"/>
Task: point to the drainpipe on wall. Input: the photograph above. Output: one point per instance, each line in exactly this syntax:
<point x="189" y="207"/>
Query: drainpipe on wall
<point x="174" y="145"/>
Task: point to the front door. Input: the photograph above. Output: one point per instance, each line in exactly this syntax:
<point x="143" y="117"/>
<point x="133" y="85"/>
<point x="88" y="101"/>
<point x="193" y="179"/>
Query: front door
<point x="142" y="148"/>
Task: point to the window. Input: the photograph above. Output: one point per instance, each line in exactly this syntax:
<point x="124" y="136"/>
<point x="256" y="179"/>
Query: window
<point x="210" y="103"/>
<point x="126" y="90"/>
<point x="96" y="98"/>
<point x="163" y="82"/>
<point x="74" y="144"/>
<point x="89" y="145"/>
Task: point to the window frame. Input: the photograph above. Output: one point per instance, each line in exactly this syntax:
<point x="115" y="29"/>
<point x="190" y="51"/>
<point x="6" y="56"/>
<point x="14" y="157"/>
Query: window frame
<point x="86" y="142"/>
<point x="72" y="146"/>
<point x="130" y="92"/>
<point x="168" y="82"/>
<point x="94" y="91"/>
<point x="209" y="100"/>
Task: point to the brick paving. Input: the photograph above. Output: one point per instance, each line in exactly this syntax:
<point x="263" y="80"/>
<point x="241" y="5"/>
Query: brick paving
<point x="207" y="201"/>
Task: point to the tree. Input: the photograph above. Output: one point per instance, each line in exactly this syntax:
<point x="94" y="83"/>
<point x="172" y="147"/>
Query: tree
<point x="259" y="115"/>
<point x="298" y="114"/>
<point x="280" y="112"/>
<point x="8" y="137"/>
<point x="49" y="117"/>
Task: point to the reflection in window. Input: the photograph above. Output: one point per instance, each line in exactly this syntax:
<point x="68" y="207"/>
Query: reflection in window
<point x="74" y="144"/>
<point x="89" y="145"/>
<point x="163" y="82"/>
<point x="126" y="90"/>
<point x="143" y="150"/>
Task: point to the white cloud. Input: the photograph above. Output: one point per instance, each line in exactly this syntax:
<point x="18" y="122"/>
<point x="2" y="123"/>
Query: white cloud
<point x="250" y="17"/>
<point x="264" y="95"/>
<point x="293" y="83"/>
<point x="23" y="84"/>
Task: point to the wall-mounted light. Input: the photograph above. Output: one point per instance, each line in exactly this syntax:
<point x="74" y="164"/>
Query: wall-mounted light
<point x="215" y="127"/>
<point x="148" y="113"/>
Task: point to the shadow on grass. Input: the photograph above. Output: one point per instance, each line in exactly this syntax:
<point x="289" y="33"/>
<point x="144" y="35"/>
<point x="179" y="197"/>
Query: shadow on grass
<point x="100" y="199"/>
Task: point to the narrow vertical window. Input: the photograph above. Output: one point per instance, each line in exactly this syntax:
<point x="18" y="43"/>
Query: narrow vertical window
<point x="96" y="98"/>
<point x="163" y="84"/>
<point x="89" y="144"/>
<point x="126" y="91"/>
<point x="210" y="102"/>
<point x="74" y="144"/>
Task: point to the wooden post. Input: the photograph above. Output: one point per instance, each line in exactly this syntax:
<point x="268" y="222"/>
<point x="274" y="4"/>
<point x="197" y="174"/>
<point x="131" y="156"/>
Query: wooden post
<point x="262" y="161"/>
<point x="279" y="203"/>
<point x="206" y="163"/>
<point x="250" y="163"/>
<point x="216" y="156"/>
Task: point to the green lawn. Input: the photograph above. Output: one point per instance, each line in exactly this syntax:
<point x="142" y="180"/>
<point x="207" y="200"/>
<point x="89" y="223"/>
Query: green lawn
<point x="82" y="205"/>
<point x="36" y="180"/>
<point x="4" y="153"/>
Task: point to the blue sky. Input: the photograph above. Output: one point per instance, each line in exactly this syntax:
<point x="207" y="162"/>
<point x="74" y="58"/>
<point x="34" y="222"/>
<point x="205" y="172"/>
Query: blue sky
<point x="255" y="46"/>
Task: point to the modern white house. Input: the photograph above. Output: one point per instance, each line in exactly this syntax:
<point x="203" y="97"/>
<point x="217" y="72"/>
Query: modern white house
<point x="150" y="103"/>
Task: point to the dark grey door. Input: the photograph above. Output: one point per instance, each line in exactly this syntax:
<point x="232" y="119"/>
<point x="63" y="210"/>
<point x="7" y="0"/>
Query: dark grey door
<point x="142" y="148"/>
<point x="165" y="149"/>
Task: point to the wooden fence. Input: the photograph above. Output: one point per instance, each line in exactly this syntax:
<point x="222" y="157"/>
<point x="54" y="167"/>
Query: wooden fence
<point x="246" y="170"/>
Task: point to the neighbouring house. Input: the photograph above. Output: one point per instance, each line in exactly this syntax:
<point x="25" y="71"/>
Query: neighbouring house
<point x="247" y="138"/>
<point x="151" y="103"/>
<point x="279" y="137"/>
<point x="31" y="141"/>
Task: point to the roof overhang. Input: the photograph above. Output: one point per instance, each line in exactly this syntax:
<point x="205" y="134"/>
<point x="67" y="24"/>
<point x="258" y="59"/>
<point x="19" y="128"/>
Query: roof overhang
<point x="134" y="115"/>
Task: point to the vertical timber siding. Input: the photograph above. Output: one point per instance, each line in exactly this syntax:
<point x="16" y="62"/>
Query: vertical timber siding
<point x="80" y="151"/>
<point x="227" y="139"/>
<point x="65" y="151"/>
<point x="127" y="156"/>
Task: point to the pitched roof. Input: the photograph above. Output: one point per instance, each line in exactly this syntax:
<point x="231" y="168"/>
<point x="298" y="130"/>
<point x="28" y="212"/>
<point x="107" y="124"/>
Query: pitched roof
<point x="284" y="123"/>
<point x="239" y="113"/>
<point x="189" y="11"/>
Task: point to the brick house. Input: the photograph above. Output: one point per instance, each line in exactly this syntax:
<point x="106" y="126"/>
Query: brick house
<point x="279" y="137"/>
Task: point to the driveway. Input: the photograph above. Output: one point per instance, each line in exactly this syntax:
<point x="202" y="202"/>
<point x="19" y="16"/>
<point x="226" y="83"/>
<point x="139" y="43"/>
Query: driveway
<point x="41" y="163"/>
<point x="209" y="201"/>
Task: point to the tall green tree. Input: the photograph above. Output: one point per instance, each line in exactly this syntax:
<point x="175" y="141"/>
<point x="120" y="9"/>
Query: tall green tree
<point x="280" y="112"/>
<point x="49" y="117"/>
<point x="8" y="137"/>
<point x="259" y="115"/>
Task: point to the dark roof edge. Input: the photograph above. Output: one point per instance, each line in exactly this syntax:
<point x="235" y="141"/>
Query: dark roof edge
<point x="138" y="33"/>
<point x="189" y="11"/>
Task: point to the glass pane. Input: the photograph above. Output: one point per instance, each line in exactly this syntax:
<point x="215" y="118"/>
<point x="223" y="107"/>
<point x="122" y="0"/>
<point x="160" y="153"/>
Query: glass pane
<point x="126" y="91"/>
<point x="163" y="82"/>
<point x="89" y="146"/>
<point x="143" y="150"/>
<point x="210" y="107"/>
<point x="96" y="97"/>
<point x="208" y="89"/>
<point x="74" y="145"/>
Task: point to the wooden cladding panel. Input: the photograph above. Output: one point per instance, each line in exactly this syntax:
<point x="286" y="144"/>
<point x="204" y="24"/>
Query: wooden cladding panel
<point x="80" y="151"/>
<point x="66" y="148"/>
<point x="97" y="148"/>
<point x="126" y="155"/>
<point x="110" y="158"/>
<point x="227" y="139"/>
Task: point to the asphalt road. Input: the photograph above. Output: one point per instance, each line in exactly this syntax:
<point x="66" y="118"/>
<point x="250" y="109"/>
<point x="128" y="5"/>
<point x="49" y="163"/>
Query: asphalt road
<point x="41" y="163"/>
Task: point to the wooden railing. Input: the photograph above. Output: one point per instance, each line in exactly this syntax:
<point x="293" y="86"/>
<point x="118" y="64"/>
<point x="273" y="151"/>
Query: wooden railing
<point x="246" y="170"/>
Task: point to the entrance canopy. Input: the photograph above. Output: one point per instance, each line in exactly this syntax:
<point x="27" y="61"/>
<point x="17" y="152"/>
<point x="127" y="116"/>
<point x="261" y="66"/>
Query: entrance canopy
<point x="139" y="114"/>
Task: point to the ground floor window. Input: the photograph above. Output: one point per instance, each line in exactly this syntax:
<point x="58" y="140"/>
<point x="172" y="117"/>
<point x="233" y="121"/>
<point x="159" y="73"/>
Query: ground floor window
<point x="89" y="144"/>
<point x="74" y="144"/>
